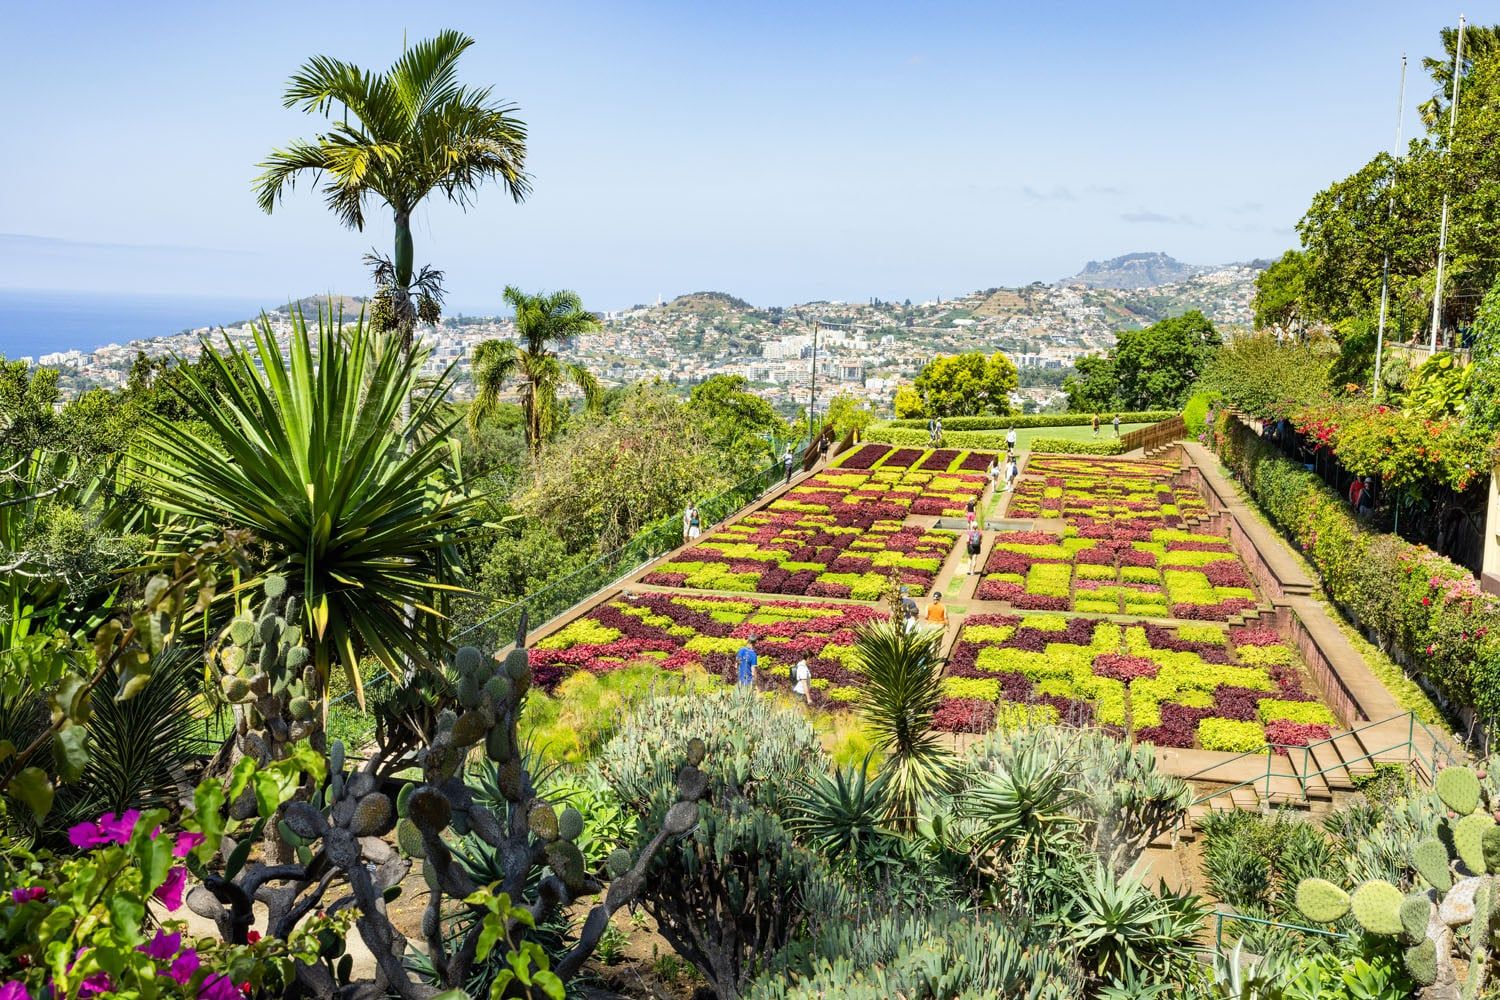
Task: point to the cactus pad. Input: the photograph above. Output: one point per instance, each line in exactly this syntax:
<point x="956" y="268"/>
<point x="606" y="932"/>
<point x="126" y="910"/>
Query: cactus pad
<point x="403" y="799"/>
<point x="1321" y="901"/>
<point x="542" y="821"/>
<point x="468" y="659"/>
<point x="1468" y="840"/>
<point x="1492" y="849"/>
<point x="696" y="751"/>
<point x="241" y="631"/>
<point x="570" y="824"/>
<point x="1479" y="927"/>
<point x="275" y="585"/>
<point x="1377" y="907"/>
<point x="498" y="688"/>
<point x="1459" y="789"/>
<point x="300" y="708"/>
<point x="372" y="816"/>
<point x="681" y="818"/>
<point x="236" y="689"/>
<point x="428" y="808"/>
<point x="517" y="664"/>
<point x="497" y="745"/>
<point x="1421" y="962"/>
<point x="1416" y="910"/>
<point x="469" y="729"/>
<point x="409" y="839"/>
<point x="618" y="862"/>
<point x="566" y="860"/>
<point x="1430" y="859"/>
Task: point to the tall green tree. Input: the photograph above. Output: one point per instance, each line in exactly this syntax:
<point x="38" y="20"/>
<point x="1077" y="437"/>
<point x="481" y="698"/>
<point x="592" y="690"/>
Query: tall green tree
<point x="736" y="421"/>
<point x="1157" y="366"/>
<point x="1095" y="385"/>
<point x="1279" y="293"/>
<point x="964" y="385"/>
<point x="396" y="137"/>
<point x="544" y="322"/>
<point x="351" y="498"/>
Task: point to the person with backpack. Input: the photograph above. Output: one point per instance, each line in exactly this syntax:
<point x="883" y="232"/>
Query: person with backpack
<point x="746" y="661"/>
<point x="976" y="542"/>
<point x="970" y="516"/>
<point x="1012" y="471"/>
<point x="802" y="679"/>
<point x="937" y="433"/>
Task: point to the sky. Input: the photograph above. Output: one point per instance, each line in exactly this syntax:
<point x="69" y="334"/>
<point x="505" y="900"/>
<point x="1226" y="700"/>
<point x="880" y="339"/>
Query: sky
<point x="782" y="152"/>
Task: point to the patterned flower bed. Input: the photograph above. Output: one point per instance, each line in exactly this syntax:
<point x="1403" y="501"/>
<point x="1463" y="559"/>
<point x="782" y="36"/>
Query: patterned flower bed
<point x="849" y="552"/>
<point x="1172" y="573"/>
<point x="1104" y="498"/>
<point x="676" y="631"/>
<point x="871" y="456"/>
<point x="1193" y="685"/>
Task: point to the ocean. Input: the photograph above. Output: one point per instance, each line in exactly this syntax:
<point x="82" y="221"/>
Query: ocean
<point x="33" y="323"/>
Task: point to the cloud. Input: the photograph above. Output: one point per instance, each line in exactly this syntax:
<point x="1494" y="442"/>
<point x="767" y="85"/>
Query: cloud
<point x="1058" y="193"/>
<point x="1107" y="190"/>
<point x="1145" y="215"/>
<point x="1246" y="207"/>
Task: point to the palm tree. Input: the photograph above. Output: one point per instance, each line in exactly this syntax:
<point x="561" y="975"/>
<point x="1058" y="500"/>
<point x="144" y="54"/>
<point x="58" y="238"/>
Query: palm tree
<point x="397" y="136"/>
<point x="903" y="687"/>
<point x="354" y="504"/>
<point x="541" y="321"/>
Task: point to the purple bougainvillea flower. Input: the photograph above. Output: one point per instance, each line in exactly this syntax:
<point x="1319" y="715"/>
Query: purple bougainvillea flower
<point x="14" y="990"/>
<point x="111" y="828"/>
<point x="170" y="891"/>
<point x="186" y="841"/>
<point x="218" y="987"/>
<point x="183" y="967"/>
<point x="163" y="946"/>
<point x="99" y="984"/>
<point x="28" y="895"/>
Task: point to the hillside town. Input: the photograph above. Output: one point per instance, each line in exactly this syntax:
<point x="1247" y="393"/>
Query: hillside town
<point x="812" y="350"/>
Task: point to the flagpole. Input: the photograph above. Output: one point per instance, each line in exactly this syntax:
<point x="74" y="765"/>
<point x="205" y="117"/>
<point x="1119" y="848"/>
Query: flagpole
<point x="1437" y="290"/>
<point x="1385" y="268"/>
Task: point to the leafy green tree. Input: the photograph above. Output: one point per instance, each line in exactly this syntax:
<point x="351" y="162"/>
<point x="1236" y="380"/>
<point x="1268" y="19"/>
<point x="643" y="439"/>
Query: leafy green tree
<point x="397" y="137"/>
<point x="1157" y="366"/>
<point x="353" y="503"/>
<point x="544" y="322"/>
<point x="1269" y="379"/>
<point x="736" y="421"/>
<point x="908" y="404"/>
<point x="1484" y="384"/>
<point x="963" y="385"/>
<point x="1096" y="386"/>
<point x="847" y="412"/>
<point x="1279" y="292"/>
<point x="606" y="480"/>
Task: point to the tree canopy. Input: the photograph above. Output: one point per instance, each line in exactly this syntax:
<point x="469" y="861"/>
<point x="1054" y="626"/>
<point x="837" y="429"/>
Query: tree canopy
<point x="964" y="385"/>
<point x="1153" y="368"/>
<point x="733" y="418"/>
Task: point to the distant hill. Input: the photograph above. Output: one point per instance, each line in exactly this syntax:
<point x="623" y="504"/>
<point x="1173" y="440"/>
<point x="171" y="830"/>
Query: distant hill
<point x="1135" y="270"/>
<point x="706" y="303"/>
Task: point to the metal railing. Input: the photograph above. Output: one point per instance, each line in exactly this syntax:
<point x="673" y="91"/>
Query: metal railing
<point x="1221" y="917"/>
<point x="1423" y="763"/>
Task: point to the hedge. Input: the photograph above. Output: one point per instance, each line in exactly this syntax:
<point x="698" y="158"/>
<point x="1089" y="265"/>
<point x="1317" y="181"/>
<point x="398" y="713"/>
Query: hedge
<point x="1426" y="611"/>
<point x="1034" y="420"/>
<point x="1067" y="446"/>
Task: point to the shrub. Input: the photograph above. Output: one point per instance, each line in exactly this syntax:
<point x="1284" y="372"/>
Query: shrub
<point x="1067" y="446"/>
<point x="1300" y="712"/>
<point x="1231" y="736"/>
<point x="1028" y="420"/>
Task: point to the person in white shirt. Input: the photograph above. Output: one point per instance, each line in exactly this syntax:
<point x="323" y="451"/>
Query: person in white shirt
<point x="802" y="680"/>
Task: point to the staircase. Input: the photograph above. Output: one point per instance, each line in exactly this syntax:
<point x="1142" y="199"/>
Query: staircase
<point x="1308" y="778"/>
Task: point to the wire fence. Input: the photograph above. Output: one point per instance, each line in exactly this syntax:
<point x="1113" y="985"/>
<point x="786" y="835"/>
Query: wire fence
<point x="499" y="629"/>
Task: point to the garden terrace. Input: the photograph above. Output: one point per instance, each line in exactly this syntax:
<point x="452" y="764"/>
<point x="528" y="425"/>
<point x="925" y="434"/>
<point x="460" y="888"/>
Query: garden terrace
<point x="687" y="632"/>
<point x="1172" y="573"/>
<point x="1105" y="498"/>
<point x="1192" y="685"/>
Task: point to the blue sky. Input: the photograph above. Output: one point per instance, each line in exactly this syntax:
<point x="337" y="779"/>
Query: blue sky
<point x="779" y="151"/>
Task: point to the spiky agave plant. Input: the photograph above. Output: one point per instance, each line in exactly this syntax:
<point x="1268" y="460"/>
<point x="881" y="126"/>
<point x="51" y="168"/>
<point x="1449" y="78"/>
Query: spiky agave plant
<point x="353" y="497"/>
<point x="903" y="687"/>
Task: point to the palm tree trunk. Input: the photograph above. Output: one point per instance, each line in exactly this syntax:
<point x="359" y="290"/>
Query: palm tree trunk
<point x="402" y="258"/>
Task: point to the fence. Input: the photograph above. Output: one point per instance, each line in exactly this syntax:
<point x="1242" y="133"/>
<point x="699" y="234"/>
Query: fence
<point x="1158" y="434"/>
<point x="1449" y="523"/>
<point x="1222" y="917"/>
<point x="499" y="629"/>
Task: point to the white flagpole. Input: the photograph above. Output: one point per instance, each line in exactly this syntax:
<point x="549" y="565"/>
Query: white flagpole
<point x="1437" y="290"/>
<point x="1385" y="269"/>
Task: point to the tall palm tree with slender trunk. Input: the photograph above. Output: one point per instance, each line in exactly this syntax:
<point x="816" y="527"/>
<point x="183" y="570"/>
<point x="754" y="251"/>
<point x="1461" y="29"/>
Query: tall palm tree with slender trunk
<point x="543" y="322"/>
<point x="397" y="137"/>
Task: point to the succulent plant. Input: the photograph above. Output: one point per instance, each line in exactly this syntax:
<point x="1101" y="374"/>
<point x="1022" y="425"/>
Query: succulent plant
<point x="1461" y="867"/>
<point x="264" y="672"/>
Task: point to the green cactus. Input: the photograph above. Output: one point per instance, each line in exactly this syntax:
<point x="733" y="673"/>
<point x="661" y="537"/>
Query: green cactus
<point x="1321" y="901"/>
<point x="542" y="819"/>
<point x="618" y="862"/>
<point x="1458" y="787"/>
<point x="1421" y="962"/>
<point x="261" y="662"/>
<point x="1430" y="859"/>
<point x="570" y="824"/>
<point x="1416" y="910"/>
<point x="409" y="838"/>
<point x="1468" y="840"/>
<point x="1377" y="907"/>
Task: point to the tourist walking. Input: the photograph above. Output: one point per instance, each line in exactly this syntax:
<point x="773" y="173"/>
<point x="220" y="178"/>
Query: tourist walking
<point x="970" y="516"/>
<point x="695" y="523"/>
<point x="937" y="433"/>
<point x="1116" y="422"/>
<point x="936" y="613"/>
<point x="1096" y="425"/>
<point x="1010" y="438"/>
<point x="932" y="430"/>
<point x="993" y="473"/>
<point x="907" y="604"/>
<point x="1012" y="471"/>
<point x="787" y="461"/>
<point x="976" y="542"/>
<point x="747" y="660"/>
<point x="802" y="680"/>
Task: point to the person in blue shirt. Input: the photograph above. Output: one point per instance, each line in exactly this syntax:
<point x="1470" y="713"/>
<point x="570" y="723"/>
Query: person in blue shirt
<point x="747" y="662"/>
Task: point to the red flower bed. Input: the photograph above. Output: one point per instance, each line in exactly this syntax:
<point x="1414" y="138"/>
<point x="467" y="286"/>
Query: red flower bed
<point x="1281" y="734"/>
<point x="975" y="461"/>
<point x="1212" y="612"/>
<point x="1124" y="668"/>
<point x="902" y="458"/>
<point x="866" y="457"/>
<point x="1226" y="573"/>
<point x="939" y="460"/>
<point x="1254" y="635"/>
<point x="964" y="715"/>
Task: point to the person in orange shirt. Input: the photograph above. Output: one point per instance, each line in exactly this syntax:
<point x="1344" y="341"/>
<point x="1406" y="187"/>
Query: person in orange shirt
<point x="936" y="613"/>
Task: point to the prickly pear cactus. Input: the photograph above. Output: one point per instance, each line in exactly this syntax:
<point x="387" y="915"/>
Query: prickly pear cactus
<point x="267" y="674"/>
<point x="1459" y="893"/>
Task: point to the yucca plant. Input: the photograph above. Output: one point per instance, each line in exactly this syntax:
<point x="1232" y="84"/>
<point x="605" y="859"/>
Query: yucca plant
<point x="841" y="814"/>
<point x="351" y="495"/>
<point x="903" y="687"/>
<point x="1123" y="931"/>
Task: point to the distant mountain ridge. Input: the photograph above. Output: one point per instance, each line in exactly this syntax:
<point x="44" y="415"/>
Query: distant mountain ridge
<point x="1135" y="270"/>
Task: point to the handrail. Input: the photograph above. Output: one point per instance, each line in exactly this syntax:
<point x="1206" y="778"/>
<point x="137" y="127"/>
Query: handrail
<point x="1220" y="916"/>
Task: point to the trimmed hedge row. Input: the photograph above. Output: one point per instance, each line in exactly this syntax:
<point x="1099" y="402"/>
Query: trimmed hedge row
<point x="1426" y="611"/>
<point x="1068" y="446"/>
<point x="1033" y="420"/>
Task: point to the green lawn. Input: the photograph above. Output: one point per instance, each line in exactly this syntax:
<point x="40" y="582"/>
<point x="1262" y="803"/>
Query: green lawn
<point x="995" y="440"/>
